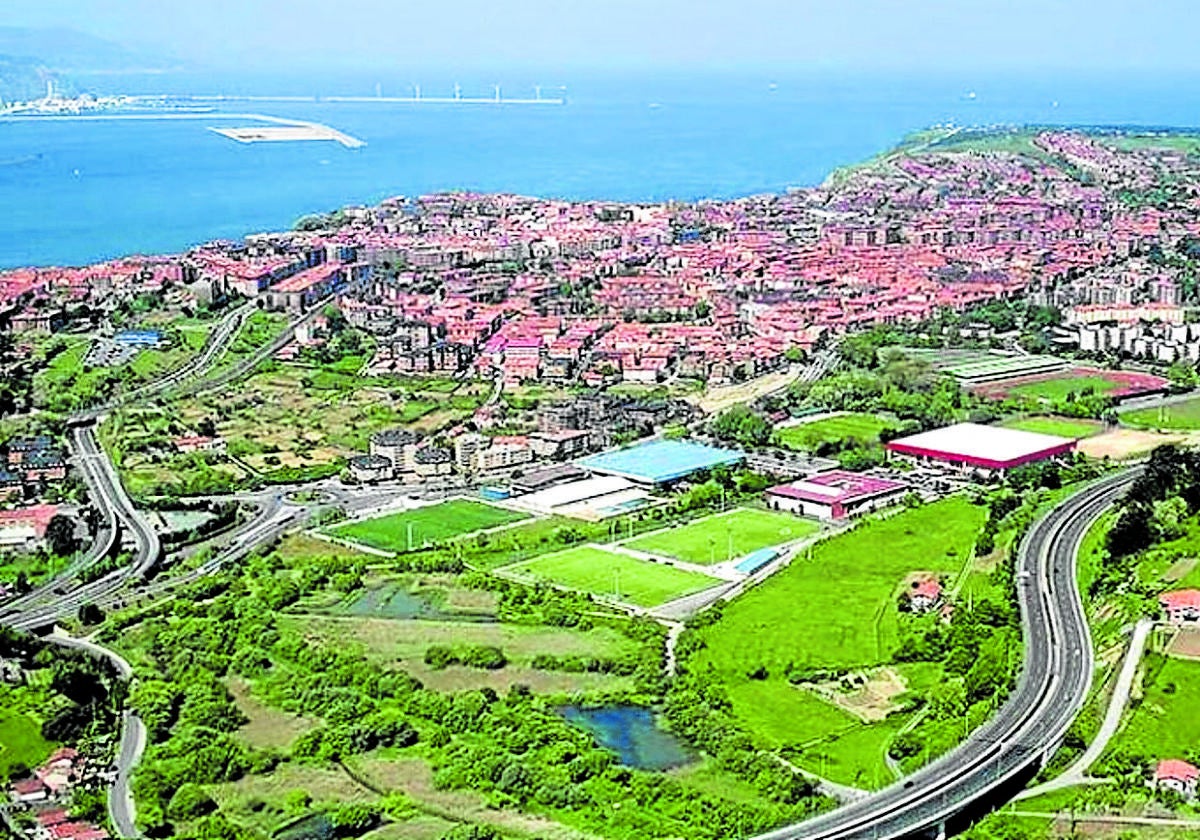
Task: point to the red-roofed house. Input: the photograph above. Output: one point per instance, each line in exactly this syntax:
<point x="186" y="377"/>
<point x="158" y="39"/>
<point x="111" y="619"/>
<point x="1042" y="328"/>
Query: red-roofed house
<point x="30" y="790"/>
<point x="53" y="816"/>
<point x="925" y="594"/>
<point x="1181" y="605"/>
<point x="1176" y="775"/>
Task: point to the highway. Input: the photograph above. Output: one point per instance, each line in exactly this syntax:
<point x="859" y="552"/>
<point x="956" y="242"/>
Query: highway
<point x="1054" y="682"/>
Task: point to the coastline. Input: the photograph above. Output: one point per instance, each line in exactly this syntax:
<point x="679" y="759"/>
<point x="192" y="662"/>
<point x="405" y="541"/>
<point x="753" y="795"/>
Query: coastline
<point x="907" y="142"/>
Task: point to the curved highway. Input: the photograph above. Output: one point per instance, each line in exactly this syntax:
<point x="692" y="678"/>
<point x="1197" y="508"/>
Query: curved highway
<point x="1053" y="685"/>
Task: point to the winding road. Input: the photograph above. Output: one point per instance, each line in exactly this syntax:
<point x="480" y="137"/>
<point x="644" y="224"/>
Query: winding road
<point x="1024" y="733"/>
<point x="1028" y="728"/>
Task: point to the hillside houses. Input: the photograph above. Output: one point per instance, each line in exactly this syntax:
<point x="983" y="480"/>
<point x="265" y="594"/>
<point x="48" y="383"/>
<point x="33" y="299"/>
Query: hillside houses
<point x="525" y="289"/>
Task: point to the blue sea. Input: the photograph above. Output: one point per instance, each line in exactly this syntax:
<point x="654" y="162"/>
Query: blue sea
<point x="76" y="192"/>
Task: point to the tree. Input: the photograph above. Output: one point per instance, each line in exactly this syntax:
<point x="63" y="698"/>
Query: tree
<point x="743" y="426"/>
<point x="1183" y="375"/>
<point x="190" y="802"/>
<point x="90" y="615"/>
<point x="354" y="819"/>
<point x="471" y="832"/>
<point x="1168" y="518"/>
<point x="60" y="535"/>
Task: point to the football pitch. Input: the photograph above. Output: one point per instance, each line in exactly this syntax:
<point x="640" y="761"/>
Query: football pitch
<point x="612" y="575"/>
<point x="727" y="536"/>
<point x="425" y="525"/>
<point x="1060" y="387"/>
<point x="808" y="436"/>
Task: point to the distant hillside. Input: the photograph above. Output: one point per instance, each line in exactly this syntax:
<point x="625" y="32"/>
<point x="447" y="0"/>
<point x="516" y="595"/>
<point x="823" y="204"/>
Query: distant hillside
<point x="68" y="51"/>
<point x="30" y="57"/>
<point x="21" y="79"/>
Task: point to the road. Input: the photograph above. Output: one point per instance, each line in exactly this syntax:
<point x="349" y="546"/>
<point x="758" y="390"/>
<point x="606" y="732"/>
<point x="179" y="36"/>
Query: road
<point x="133" y="740"/>
<point x="1055" y="679"/>
<point x="1077" y="773"/>
<point x="1054" y="682"/>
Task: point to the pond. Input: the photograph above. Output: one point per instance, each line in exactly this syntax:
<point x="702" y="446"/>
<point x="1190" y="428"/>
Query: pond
<point x="398" y="601"/>
<point x="316" y="826"/>
<point x="633" y="734"/>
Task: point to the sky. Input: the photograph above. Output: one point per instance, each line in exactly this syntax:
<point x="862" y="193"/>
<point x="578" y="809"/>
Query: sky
<point x="947" y="35"/>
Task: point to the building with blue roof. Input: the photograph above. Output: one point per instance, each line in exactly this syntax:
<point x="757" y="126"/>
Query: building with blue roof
<point x="139" y="338"/>
<point x="660" y="461"/>
<point x="755" y="560"/>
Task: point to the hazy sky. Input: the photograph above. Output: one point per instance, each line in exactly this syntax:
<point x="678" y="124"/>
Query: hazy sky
<point x="777" y="34"/>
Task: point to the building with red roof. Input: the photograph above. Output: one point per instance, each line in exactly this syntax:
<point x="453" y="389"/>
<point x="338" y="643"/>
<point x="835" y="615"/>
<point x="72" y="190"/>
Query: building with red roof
<point x="837" y="494"/>
<point x="1181" y="605"/>
<point x="1177" y="775"/>
<point x="924" y="594"/>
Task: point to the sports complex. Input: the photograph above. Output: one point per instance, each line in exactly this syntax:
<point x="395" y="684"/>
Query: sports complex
<point x="660" y="462"/>
<point x="1049" y="378"/>
<point x="643" y="567"/>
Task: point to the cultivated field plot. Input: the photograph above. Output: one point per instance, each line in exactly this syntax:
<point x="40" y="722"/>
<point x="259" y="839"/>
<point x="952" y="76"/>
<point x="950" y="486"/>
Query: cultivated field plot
<point x="1186" y="643"/>
<point x="290" y="423"/>
<point x="611" y="575"/>
<point x="412" y="529"/>
<point x="1054" y="387"/>
<point x="727" y="536"/>
<point x="402" y="643"/>
<point x="1067" y="427"/>
<point x="864" y="428"/>
<point x="1181" y="416"/>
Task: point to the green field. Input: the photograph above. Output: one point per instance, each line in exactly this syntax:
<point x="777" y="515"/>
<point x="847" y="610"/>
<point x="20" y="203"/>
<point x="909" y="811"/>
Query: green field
<point x="1059" y="388"/>
<point x="728" y="536"/>
<point x="860" y="427"/>
<point x="428" y="524"/>
<point x="1184" y="416"/>
<point x="1165" y="724"/>
<point x="21" y="740"/>
<point x="1061" y="426"/>
<point x="612" y="575"/>
<point x="836" y="609"/>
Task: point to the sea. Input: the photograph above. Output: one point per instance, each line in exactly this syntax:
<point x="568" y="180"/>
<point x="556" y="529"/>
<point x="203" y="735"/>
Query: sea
<point x="74" y="192"/>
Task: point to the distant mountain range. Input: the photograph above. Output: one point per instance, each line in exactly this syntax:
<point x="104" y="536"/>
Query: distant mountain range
<point x="31" y="57"/>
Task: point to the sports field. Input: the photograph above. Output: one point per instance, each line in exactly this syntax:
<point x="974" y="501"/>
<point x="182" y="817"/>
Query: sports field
<point x="428" y="524"/>
<point x="727" y="536"/>
<point x="612" y="575"/>
<point x="1055" y="387"/>
<point x="21" y="741"/>
<point x="1058" y="387"/>
<point x="1181" y="415"/>
<point x="841" y="427"/>
<point x="1067" y="427"/>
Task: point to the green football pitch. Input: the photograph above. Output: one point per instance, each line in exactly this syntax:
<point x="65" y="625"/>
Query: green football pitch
<point x="726" y="536"/>
<point x="425" y="525"/>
